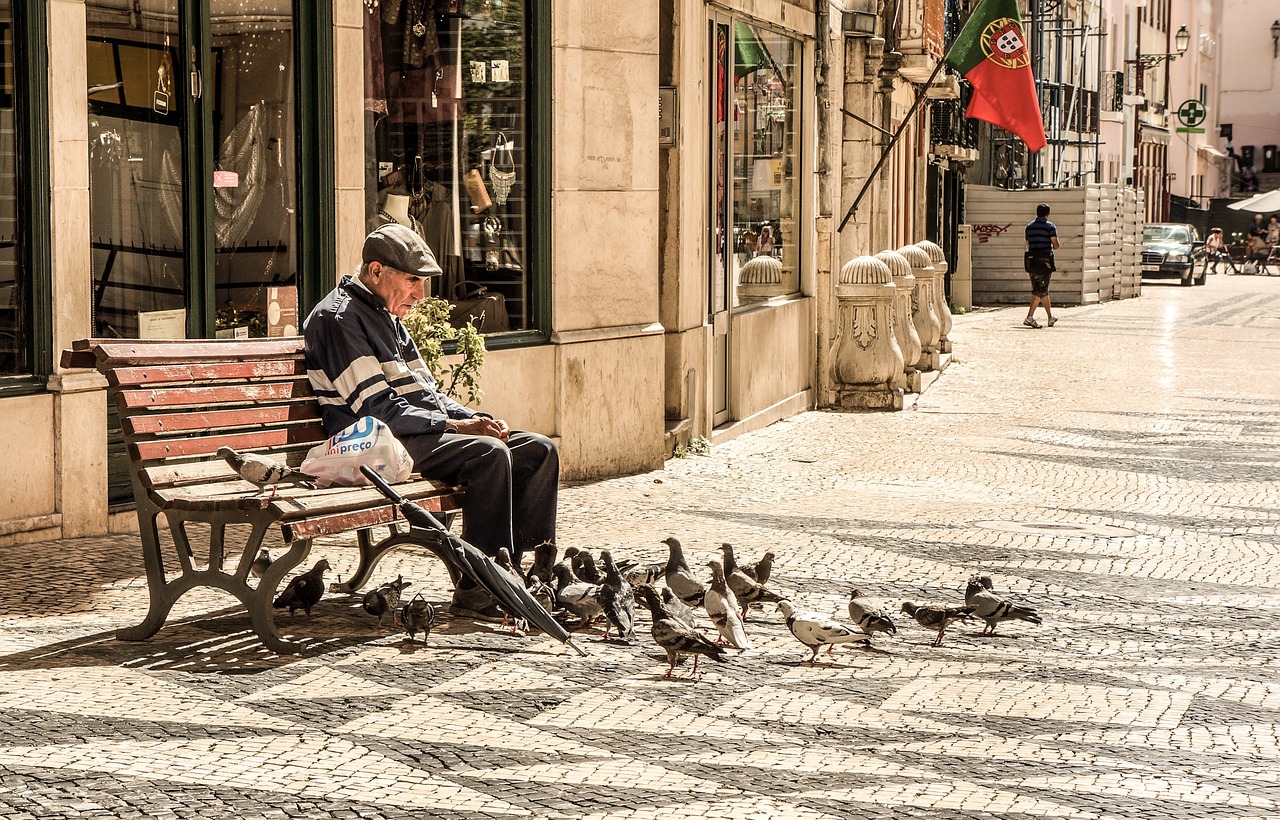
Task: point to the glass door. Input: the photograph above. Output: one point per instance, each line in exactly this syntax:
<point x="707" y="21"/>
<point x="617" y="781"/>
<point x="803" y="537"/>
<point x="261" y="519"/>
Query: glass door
<point x="192" y="178"/>
<point x="722" y="273"/>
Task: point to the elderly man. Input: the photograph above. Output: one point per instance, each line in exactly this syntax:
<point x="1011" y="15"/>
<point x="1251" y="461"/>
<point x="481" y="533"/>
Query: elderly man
<point x="362" y="362"/>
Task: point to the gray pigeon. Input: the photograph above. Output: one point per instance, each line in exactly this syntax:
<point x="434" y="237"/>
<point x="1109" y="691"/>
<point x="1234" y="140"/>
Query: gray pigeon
<point x="579" y="598"/>
<point x="304" y="591"/>
<point x="418" y="616"/>
<point x="675" y="637"/>
<point x="544" y="558"/>
<point x="936" y="616"/>
<point x="815" y="630"/>
<point x="678" y="577"/>
<point x="637" y="574"/>
<point x="747" y="590"/>
<point x="261" y="564"/>
<point x="760" y="570"/>
<point x="991" y="608"/>
<point x="584" y="567"/>
<point x="722" y="609"/>
<point x="677" y="608"/>
<point x="386" y="598"/>
<point x="617" y="599"/>
<point x="504" y="560"/>
<point x="263" y="472"/>
<point x="869" y="616"/>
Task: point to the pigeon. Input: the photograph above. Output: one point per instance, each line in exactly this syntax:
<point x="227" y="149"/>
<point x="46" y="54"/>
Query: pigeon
<point x="869" y="616"/>
<point x="676" y="637"/>
<point x="386" y="598"/>
<point x="936" y="616"/>
<point x="579" y="598"/>
<point x="637" y="574"/>
<point x="418" y="616"/>
<point x="504" y="560"/>
<point x="264" y="472"/>
<point x="544" y="557"/>
<point x="760" y="570"/>
<point x="722" y="609"/>
<point x="261" y="564"/>
<point x="304" y="591"/>
<point x="815" y="630"/>
<point x="747" y="591"/>
<point x="993" y="609"/>
<point x="679" y="579"/>
<point x="617" y="599"/>
<point x="677" y="607"/>
<point x="543" y="593"/>
<point x="584" y="567"/>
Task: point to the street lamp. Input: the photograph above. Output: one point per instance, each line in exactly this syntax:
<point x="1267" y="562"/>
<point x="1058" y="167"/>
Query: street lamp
<point x="1180" y="42"/>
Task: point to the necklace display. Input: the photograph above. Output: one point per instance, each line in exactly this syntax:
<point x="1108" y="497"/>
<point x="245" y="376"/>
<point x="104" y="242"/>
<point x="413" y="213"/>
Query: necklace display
<point x="418" y="9"/>
<point x="502" y="178"/>
<point x="371" y="6"/>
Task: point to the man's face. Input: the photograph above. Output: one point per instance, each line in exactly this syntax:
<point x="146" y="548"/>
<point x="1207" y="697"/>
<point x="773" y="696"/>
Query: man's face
<point x="398" y="290"/>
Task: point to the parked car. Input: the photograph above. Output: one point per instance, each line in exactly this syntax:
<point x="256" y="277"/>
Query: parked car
<point x="1172" y="250"/>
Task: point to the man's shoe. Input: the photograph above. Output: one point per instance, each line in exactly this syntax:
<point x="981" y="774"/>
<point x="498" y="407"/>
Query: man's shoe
<point x="1031" y="322"/>
<point x="475" y="603"/>
<point x="1052" y="321"/>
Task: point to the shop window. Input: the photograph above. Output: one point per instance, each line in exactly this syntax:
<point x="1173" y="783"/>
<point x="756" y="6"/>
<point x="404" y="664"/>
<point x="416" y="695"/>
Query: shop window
<point x="15" y="278"/>
<point x="447" y="144"/>
<point x="157" y="186"/>
<point x="764" y="94"/>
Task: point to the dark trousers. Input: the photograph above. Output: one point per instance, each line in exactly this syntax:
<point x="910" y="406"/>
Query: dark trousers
<point x="511" y="486"/>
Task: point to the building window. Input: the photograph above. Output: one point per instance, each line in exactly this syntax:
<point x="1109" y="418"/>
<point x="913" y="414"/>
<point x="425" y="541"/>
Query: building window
<point x="15" y="277"/>
<point x="192" y="237"/>
<point x="757" y="117"/>
<point x="447" y="92"/>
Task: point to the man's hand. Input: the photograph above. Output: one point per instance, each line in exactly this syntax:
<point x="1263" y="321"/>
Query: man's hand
<point x="479" y="426"/>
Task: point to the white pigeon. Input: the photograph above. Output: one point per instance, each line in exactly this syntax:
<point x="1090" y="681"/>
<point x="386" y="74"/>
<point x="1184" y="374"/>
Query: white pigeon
<point x="263" y="472"/>
<point x="722" y="609"/>
<point x="815" y="630"/>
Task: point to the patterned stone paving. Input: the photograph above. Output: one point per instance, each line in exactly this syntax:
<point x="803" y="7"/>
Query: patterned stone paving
<point x="1118" y="472"/>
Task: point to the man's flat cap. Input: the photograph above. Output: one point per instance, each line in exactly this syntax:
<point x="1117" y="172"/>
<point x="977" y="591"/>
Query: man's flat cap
<point x="401" y="248"/>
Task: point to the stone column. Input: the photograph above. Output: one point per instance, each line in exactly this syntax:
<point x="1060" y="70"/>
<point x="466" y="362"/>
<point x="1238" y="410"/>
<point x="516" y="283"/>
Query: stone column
<point x="922" y="312"/>
<point x="865" y="356"/>
<point x="940" y="305"/>
<point x="904" y="329"/>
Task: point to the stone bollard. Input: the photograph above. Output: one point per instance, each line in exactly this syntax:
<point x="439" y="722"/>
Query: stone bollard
<point x="922" y="312"/>
<point x="940" y="305"/>
<point x="904" y="329"/>
<point x="865" y="357"/>
<point x="759" y="279"/>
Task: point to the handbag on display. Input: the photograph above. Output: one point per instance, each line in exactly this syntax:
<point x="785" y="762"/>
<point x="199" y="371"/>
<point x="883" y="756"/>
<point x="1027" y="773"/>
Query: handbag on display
<point x="477" y="305"/>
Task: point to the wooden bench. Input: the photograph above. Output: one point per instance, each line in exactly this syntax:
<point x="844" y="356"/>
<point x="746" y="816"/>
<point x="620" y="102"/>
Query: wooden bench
<point x="179" y="401"/>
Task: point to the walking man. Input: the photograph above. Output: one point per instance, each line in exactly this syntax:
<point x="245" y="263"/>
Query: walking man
<point x="1042" y="241"/>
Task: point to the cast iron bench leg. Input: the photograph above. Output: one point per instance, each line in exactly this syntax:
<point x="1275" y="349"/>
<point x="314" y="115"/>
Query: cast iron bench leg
<point x="371" y="552"/>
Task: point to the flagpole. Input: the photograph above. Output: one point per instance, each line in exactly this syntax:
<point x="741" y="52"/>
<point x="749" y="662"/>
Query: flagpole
<point x="892" y="142"/>
<point x="903" y="125"/>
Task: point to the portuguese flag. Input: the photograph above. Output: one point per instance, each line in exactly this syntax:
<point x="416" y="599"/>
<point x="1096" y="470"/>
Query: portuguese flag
<point x="991" y="53"/>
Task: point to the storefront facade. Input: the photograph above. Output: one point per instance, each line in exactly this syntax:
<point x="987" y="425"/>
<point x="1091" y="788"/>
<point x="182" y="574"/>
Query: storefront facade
<point x="201" y="168"/>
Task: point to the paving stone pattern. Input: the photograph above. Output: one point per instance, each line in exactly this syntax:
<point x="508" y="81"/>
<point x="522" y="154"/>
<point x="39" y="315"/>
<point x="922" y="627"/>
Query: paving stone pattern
<point x="1118" y="472"/>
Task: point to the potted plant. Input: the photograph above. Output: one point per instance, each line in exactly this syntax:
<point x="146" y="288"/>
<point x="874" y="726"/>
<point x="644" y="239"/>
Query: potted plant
<point x="459" y="374"/>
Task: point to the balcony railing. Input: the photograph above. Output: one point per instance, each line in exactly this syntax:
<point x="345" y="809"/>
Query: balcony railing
<point x="949" y="126"/>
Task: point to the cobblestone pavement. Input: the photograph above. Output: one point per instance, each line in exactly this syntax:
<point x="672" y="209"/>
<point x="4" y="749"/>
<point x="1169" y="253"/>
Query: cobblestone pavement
<point x="1118" y="472"/>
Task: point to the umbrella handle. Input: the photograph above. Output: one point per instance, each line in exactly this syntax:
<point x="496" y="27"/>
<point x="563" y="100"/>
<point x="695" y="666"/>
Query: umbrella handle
<point x="395" y="497"/>
<point x="381" y="484"/>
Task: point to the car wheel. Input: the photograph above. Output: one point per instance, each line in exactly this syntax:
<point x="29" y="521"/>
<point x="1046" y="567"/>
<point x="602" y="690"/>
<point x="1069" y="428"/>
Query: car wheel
<point x="1204" y="274"/>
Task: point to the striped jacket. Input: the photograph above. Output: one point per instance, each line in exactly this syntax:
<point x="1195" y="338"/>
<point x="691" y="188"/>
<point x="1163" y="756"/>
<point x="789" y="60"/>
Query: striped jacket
<point x="362" y="362"/>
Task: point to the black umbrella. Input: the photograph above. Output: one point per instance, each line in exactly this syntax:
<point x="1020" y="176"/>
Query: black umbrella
<point x="502" y="585"/>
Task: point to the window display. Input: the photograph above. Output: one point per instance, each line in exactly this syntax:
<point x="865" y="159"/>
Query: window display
<point x="14" y="279"/>
<point x="446" y="127"/>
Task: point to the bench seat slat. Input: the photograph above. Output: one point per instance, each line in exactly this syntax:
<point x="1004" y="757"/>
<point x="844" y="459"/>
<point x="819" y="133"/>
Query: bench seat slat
<point x="268" y="437"/>
<point x="208" y="420"/>
<point x="246" y="393"/>
<point x="359" y="519"/>
<point x="290" y="503"/>
<point x="210" y="371"/>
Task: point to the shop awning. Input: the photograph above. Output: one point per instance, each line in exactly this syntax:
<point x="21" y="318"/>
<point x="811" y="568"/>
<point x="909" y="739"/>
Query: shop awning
<point x="1211" y="152"/>
<point x="1153" y="135"/>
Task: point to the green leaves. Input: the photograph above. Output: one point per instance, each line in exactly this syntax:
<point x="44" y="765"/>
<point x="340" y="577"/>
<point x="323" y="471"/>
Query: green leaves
<point x="428" y="326"/>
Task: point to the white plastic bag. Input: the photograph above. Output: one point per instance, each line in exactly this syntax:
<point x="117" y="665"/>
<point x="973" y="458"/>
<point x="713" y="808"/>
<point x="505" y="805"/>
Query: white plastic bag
<point x="337" y="462"/>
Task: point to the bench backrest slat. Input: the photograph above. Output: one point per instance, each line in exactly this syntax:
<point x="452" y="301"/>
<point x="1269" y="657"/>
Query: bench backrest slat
<point x="141" y="424"/>
<point x="207" y="371"/>
<point x="242" y="393"/>
<point x="265" y="438"/>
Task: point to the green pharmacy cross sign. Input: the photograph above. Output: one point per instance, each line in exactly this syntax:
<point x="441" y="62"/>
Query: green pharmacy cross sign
<point x="1191" y="113"/>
